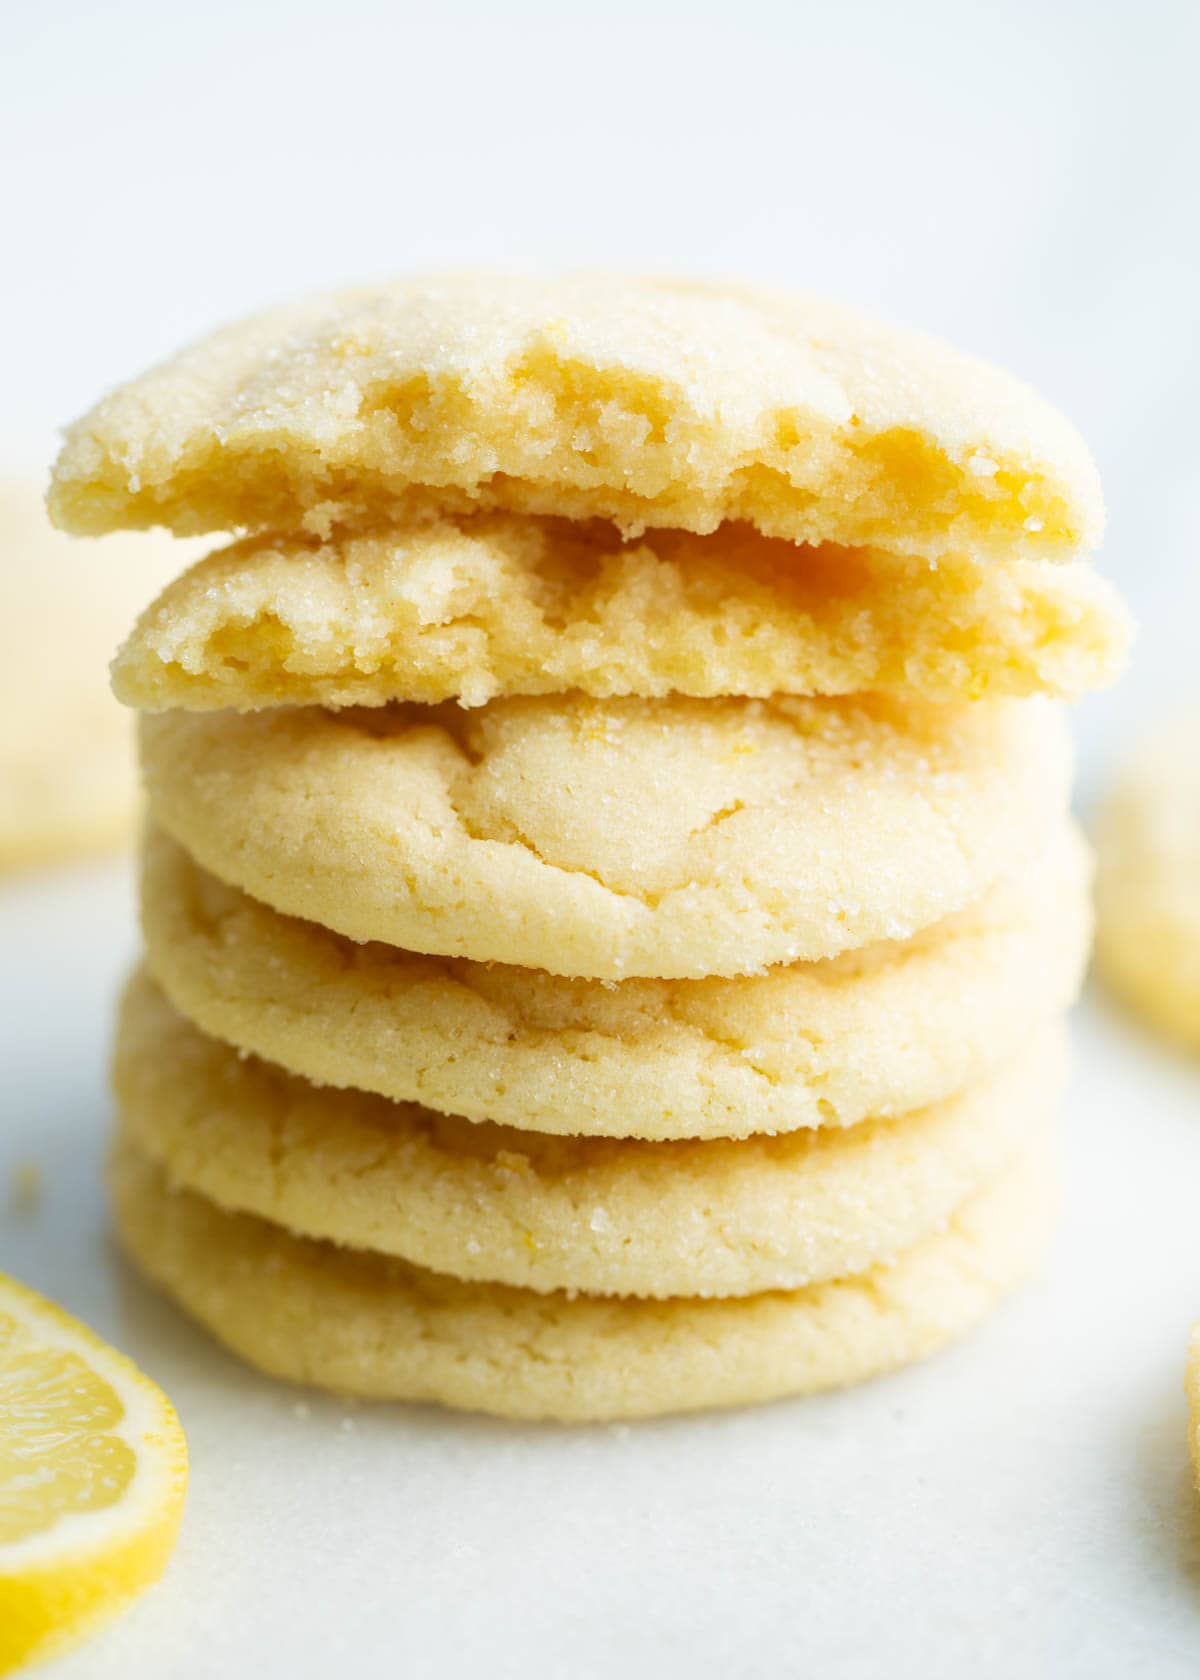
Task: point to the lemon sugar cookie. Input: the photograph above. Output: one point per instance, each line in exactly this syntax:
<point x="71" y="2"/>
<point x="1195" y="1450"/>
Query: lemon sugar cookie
<point x="616" y="838"/>
<point x="68" y="777"/>
<point x="881" y="1031"/>
<point x="470" y="609"/>
<point x="1148" y="882"/>
<point x="1192" y="1389"/>
<point x="368" y="1325"/>
<point x="609" y="1216"/>
<point x="646" y="402"/>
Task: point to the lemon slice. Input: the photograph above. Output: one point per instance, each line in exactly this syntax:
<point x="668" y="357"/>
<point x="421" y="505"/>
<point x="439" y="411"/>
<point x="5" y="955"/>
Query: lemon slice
<point x="93" y="1470"/>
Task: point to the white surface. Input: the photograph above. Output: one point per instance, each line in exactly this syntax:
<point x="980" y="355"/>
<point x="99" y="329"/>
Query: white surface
<point x="1018" y="1507"/>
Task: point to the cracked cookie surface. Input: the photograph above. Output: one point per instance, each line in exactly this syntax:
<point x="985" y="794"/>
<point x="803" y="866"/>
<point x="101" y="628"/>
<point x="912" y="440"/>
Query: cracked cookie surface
<point x="367" y="1325"/>
<point x="601" y="1215"/>
<point x="881" y="1031"/>
<point x="611" y="839"/>
<point x="647" y="402"/>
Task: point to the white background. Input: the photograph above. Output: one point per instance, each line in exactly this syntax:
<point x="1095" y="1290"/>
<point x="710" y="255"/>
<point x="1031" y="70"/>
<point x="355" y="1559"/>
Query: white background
<point x="1019" y="177"/>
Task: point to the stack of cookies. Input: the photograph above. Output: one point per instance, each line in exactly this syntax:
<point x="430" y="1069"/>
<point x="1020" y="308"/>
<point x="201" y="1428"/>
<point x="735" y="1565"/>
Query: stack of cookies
<point x="609" y="899"/>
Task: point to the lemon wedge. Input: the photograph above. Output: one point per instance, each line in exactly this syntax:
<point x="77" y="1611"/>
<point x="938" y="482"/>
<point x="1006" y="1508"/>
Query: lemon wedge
<point x="93" y="1470"/>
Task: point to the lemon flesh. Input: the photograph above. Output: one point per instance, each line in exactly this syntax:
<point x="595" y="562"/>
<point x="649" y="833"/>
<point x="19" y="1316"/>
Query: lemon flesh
<point x="93" y="1471"/>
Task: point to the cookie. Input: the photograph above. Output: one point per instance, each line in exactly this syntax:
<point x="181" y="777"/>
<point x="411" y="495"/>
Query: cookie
<point x="617" y="838"/>
<point x="603" y="1215"/>
<point x="1148" y="882"/>
<point x="497" y="605"/>
<point x="68" y="781"/>
<point x="882" y="1031"/>
<point x="367" y="1325"/>
<point x="646" y="402"/>
<point x="1192" y="1389"/>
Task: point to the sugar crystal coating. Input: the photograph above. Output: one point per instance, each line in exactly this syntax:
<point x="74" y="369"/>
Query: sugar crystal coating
<point x="669" y="838"/>
<point x="601" y="1215"/>
<point x="649" y="403"/>
<point x="370" y="1325"/>
<point x="881" y="1031"/>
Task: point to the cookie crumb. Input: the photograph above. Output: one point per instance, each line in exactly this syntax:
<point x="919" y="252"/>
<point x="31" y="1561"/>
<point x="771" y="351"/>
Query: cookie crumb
<point x="28" y="1187"/>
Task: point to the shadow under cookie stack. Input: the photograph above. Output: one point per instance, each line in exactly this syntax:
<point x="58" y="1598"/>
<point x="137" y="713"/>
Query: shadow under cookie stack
<point x="609" y="898"/>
